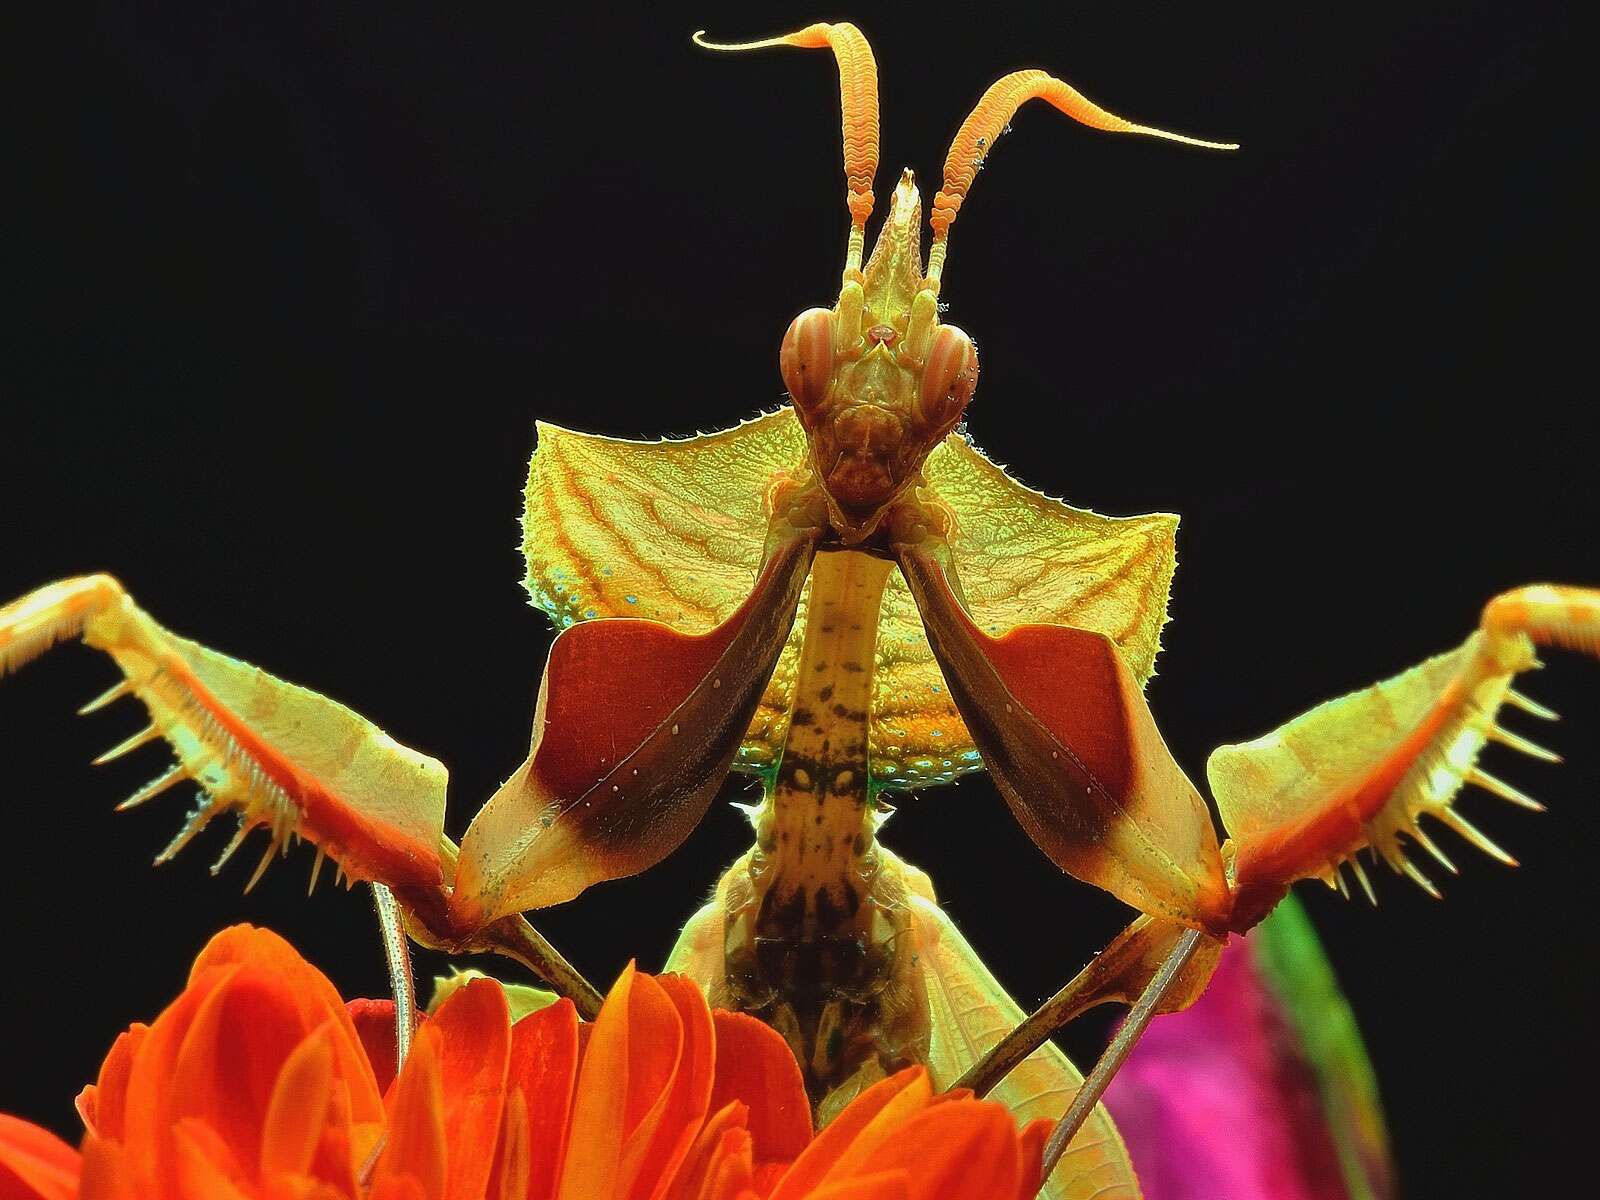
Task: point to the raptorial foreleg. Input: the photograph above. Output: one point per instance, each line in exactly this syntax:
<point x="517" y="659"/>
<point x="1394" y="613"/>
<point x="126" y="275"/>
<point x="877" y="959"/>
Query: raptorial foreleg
<point x="1361" y="771"/>
<point x="279" y="757"/>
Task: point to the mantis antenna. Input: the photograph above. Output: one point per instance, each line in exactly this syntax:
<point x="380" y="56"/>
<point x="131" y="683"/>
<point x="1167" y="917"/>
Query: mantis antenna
<point x="988" y="121"/>
<point x="858" y="104"/>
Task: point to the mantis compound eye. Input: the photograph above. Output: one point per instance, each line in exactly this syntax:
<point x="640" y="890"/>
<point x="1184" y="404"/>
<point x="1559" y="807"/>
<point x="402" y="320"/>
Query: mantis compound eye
<point x="806" y="361"/>
<point x="949" y="376"/>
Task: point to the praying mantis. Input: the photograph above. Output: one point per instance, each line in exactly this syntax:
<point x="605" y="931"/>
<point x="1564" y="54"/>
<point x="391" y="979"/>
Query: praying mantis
<point x="914" y="614"/>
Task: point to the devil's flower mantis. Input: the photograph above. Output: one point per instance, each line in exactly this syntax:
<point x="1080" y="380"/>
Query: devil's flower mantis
<point x="846" y="598"/>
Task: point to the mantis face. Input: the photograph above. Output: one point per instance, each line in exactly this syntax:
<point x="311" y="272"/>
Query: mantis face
<point x="877" y="381"/>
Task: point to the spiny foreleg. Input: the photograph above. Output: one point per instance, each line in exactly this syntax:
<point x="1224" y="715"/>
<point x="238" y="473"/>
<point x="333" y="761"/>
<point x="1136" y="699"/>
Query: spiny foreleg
<point x="1362" y="771"/>
<point x="280" y="757"/>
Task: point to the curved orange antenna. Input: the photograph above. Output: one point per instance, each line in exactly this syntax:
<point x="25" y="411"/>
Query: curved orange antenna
<point x="988" y="120"/>
<point x="858" y="103"/>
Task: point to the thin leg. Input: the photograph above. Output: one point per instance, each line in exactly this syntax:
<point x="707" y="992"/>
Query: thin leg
<point x="1121" y="1046"/>
<point x="516" y="939"/>
<point x="428" y="920"/>
<point x="1082" y="993"/>
<point x="402" y="987"/>
<point x="397" y="952"/>
<point x="1119" y="974"/>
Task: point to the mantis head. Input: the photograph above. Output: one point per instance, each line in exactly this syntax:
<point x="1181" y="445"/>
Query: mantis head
<point x="878" y="380"/>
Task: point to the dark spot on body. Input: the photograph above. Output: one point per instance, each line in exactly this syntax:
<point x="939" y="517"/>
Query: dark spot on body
<point x="781" y="915"/>
<point x="828" y="914"/>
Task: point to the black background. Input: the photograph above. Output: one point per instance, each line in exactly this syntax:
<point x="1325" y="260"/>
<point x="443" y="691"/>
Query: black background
<point x="293" y="287"/>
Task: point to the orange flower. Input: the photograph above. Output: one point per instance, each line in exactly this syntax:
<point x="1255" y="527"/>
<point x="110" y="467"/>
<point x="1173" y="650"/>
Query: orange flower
<point x="257" y="1083"/>
<point x="252" y="1083"/>
<point x="35" y="1163"/>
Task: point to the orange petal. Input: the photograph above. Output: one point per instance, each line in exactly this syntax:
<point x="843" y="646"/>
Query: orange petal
<point x="632" y="1052"/>
<point x="106" y="1172"/>
<point x="214" y="1054"/>
<point x="373" y="1021"/>
<point x="656" y="1149"/>
<point x="228" y="1064"/>
<point x="767" y="1176"/>
<point x="34" y="1163"/>
<point x="1030" y="1144"/>
<point x="102" y="1103"/>
<point x="888" y="1185"/>
<point x="343" y="1148"/>
<point x="544" y="1065"/>
<point x="87" y="1104"/>
<point x="298" y="1109"/>
<point x="731" y="1176"/>
<point x="513" y="1160"/>
<point x="206" y="1166"/>
<point x="655" y="1048"/>
<point x="698" y="1164"/>
<point x="755" y="1065"/>
<point x="416" y="1145"/>
<point x="966" y="1150"/>
<point x="147" y="1153"/>
<point x="316" y="998"/>
<point x="866" y="1121"/>
<point x="474" y="1028"/>
<point x="398" y="1187"/>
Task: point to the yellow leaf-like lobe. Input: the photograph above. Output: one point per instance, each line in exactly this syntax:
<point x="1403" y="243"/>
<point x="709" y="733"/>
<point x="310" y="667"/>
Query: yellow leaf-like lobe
<point x="670" y="531"/>
<point x="673" y="531"/>
<point x="1023" y="558"/>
